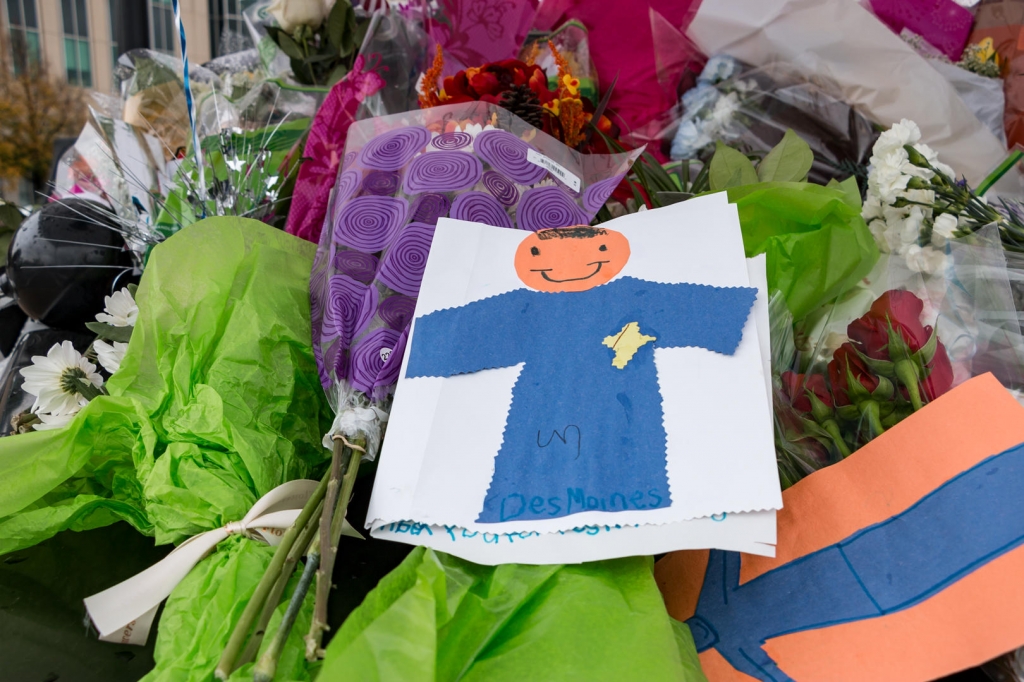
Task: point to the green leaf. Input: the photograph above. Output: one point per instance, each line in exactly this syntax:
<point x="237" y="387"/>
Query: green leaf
<point x="319" y="58"/>
<point x="337" y="73"/>
<point x="659" y="179"/>
<point x="302" y="72"/>
<point x="730" y="168"/>
<point x="789" y="161"/>
<point x="109" y="332"/>
<point x="5" y="242"/>
<point x="132" y="288"/>
<point x="289" y="46"/>
<point x="337" y="22"/>
<point x="669" y="198"/>
<point x="10" y="217"/>
<point x="359" y="34"/>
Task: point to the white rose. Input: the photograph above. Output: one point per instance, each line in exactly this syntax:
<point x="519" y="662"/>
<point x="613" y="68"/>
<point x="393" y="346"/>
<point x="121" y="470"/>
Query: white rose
<point x="290" y="14"/>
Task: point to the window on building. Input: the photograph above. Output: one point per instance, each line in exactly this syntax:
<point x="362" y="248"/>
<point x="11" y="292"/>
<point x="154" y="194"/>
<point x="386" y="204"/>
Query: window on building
<point x="76" y="43"/>
<point x="228" y="32"/>
<point x="23" y="23"/>
<point x="115" y="13"/>
<point x="161" y="26"/>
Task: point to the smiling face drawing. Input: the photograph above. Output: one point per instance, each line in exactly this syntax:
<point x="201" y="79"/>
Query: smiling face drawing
<point x="571" y="258"/>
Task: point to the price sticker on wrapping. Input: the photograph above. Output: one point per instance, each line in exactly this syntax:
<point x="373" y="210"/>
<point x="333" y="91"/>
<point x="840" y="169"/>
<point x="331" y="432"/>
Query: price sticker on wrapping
<point x="556" y="169"/>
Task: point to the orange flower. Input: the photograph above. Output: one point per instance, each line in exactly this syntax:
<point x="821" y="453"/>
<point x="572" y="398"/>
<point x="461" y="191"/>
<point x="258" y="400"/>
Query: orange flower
<point x="572" y="119"/>
<point x="431" y="80"/>
<point x="531" y="58"/>
<point x="563" y="65"/>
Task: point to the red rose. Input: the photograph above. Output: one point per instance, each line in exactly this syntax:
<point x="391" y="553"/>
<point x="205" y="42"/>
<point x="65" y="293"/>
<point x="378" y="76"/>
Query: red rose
<point x="846" y="357"/>
<point x="795" y="387"/>
<point x="902" y="310"/>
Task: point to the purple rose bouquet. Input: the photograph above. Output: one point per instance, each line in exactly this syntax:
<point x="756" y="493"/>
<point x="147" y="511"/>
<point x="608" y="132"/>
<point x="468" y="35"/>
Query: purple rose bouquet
<point x="471" y="161"/>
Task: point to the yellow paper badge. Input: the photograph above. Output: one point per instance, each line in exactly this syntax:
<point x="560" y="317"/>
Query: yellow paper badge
<point x="626" y="343"/>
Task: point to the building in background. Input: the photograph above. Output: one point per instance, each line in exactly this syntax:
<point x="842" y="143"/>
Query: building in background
<point x="81" y="39"/>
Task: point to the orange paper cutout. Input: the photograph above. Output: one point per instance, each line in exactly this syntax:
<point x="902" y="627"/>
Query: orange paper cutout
<point x="571" y="258"/>
<point x="973" y="620"/>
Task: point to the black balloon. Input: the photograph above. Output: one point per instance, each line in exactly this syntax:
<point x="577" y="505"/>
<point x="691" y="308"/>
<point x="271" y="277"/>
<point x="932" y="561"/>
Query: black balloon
<point x="63" y="260"/>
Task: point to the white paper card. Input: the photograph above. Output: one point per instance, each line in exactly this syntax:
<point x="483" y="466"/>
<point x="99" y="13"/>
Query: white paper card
<point x="438" y="459"/>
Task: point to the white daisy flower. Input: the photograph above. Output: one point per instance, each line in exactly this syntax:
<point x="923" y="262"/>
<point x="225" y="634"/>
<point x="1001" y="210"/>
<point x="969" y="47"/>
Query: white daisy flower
<point x="52" y="421"/>
<point x="110" y="356"/>
<point x="51" y="379"/>
<point x="120" y="309"/>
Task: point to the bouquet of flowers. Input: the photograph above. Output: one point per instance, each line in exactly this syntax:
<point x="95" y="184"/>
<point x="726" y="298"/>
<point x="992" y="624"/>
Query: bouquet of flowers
<point x="891" y="366"/>
<point x="750" y="109"/>
<point x="521" y="88"/>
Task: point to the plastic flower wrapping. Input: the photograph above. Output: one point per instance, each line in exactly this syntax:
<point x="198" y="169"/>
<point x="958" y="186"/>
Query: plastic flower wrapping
<point x="400" y="174"/>
<point x="751" y="109"/>
<point x="135" y="154"/>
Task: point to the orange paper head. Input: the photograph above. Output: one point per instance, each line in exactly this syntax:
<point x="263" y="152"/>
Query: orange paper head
<point x="571" y="258"/>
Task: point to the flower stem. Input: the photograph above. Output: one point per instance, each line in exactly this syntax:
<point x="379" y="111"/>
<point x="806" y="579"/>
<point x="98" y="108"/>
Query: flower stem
<point x="870" y="412"/>
<point x="832" y="428"/>
<point x="298" y="549"/>
<point x="266" y="668"/>
<point x="329" y="552"/>
<point x="238" y="636"/>
<point x="323" y="574"/>
<point x="907" y="375"/>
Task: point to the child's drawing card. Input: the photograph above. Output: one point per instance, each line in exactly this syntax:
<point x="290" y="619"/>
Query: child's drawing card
<point x="604" y="376"/>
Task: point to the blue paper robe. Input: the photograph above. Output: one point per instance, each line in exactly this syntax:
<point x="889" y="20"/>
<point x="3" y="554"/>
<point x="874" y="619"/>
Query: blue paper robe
<point x="962" y="525"/>
<point x="581" y="434"/>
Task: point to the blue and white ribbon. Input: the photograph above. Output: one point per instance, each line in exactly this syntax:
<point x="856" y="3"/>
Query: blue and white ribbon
<point x="197" y="151"/>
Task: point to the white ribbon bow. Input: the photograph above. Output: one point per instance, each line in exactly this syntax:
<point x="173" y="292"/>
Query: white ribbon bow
<point x="124" y="613"/>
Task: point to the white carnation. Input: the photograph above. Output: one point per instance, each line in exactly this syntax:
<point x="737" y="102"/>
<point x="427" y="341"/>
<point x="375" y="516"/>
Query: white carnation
<point x="900" y="134"/>
<point x="946" y="225"/>
<point x="926" y="260"/>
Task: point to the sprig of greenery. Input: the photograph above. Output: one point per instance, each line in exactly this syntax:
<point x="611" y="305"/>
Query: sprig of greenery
<point x="655" y="185"/>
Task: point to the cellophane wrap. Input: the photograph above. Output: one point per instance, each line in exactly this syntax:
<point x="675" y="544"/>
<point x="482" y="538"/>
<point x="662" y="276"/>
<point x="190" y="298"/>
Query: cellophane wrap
<point x="751" y="109"/>
<point x="399" y="175"/>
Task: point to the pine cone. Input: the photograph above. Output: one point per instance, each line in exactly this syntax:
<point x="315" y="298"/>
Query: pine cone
<point x="523" y="102"/>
